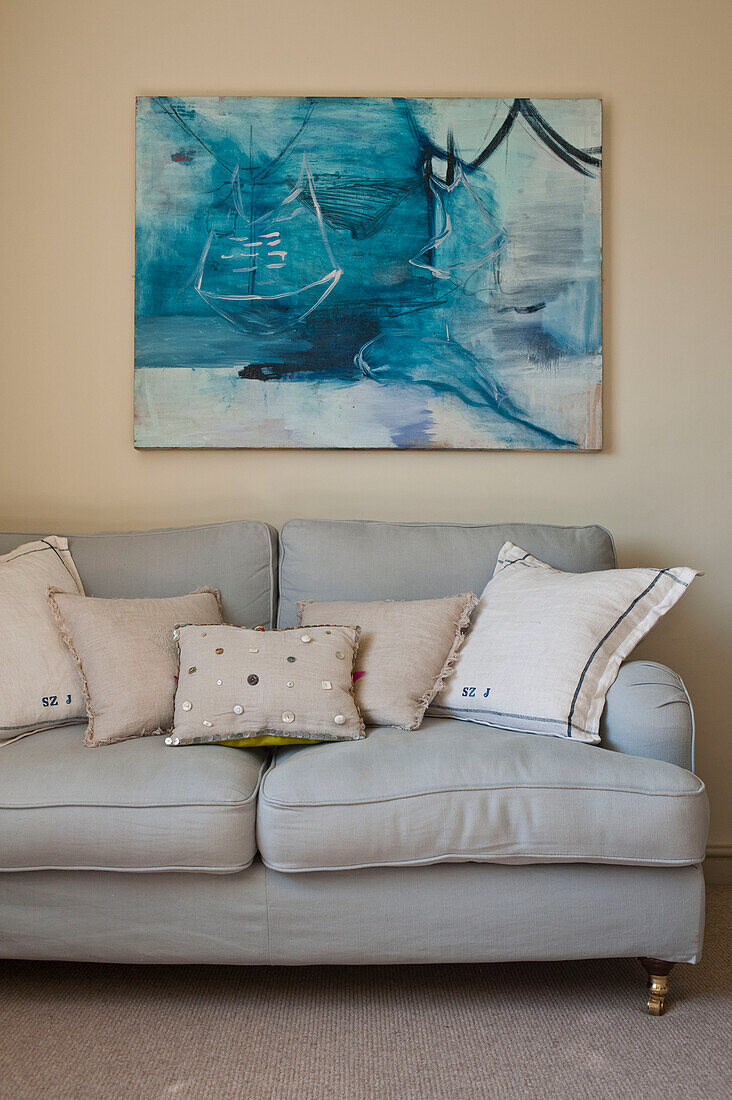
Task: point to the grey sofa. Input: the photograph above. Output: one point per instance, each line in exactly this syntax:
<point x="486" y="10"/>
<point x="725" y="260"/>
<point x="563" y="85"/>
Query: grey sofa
<point x="456" y="842"/>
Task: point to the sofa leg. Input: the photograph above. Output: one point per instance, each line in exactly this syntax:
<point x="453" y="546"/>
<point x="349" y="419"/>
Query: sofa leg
<point x="658" y="971"/>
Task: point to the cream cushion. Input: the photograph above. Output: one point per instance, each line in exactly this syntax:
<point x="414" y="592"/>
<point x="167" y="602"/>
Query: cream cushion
<point x="40" y="686"/>
<point x="407" y="651"/>
<point x="238" y="684"/>
<point x="545" y="645"/>
<point x="127" y="656"/>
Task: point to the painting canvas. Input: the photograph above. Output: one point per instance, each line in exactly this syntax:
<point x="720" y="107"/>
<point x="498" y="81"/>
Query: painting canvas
<point x="368" y="273"/>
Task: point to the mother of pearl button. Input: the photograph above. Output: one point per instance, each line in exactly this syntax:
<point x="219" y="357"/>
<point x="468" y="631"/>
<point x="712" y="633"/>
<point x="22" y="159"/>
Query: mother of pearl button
<point x="238" y="709"/>
<point x="288" y="716"/>
<point x="306" y="638"/>
<point x="187" y="705"/>
<point x="340" y="719"/>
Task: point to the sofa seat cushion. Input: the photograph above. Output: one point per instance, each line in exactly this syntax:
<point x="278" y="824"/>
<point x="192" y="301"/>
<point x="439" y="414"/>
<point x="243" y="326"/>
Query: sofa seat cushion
<point x="455" y="791"/>
<point x="133" y="806"/>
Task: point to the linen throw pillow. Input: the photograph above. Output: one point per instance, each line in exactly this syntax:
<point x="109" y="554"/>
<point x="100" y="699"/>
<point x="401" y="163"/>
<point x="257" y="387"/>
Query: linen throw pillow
<point x="545" y="645"/>
<point x="252" y="687"/>
<point x="407" y="651"/>
<point x="127" y="657"/>
<point x="40" y="686"/>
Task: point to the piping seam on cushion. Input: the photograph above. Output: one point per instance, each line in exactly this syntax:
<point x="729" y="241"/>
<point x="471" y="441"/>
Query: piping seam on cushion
<point x="479" y="790"/>
<point x="233" y="805"/>
<point x="498" y="861"/>
<point x="172" y="868"/>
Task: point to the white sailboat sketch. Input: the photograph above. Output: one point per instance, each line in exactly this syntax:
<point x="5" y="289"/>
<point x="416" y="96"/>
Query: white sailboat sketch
<point x="466" y="238"/>
<point x="274" y="269"/>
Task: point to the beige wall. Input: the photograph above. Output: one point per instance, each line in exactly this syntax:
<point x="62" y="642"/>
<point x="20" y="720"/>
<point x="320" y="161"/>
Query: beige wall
<point x="69" y="76"/>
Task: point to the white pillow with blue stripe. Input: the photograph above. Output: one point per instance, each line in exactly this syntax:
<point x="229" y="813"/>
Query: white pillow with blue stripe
<point x="545" y="646"/>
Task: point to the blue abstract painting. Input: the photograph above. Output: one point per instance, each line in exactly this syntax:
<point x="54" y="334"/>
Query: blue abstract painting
<point x="368" y="273"/>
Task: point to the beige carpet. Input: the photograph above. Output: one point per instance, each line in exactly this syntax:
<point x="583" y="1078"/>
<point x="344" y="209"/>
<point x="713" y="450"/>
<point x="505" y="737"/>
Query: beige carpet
<point x="199" y="1033"/>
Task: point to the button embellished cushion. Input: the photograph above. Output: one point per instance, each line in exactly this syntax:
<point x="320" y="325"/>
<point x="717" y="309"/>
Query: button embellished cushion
<point x="407" y="651"/>
<point x="255" y="687"/>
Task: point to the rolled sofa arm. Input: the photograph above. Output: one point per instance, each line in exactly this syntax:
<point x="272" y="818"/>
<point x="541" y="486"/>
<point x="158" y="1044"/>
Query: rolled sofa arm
<point x="648" y="712"/>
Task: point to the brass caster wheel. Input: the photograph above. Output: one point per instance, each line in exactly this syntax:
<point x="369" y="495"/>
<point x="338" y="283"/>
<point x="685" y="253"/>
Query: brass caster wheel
<point x="658" y="971"/>
<point x="657" y="990"/>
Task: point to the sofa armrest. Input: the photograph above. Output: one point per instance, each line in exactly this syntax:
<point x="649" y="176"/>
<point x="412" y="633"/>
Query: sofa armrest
<point x="648" y="712"/>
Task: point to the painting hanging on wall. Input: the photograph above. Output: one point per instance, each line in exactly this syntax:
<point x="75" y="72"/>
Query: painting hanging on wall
<point x="368" y="273"/>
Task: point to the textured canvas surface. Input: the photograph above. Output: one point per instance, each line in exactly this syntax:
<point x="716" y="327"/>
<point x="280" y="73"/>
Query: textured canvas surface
<point x="361" y="272"/>
<point x="127" y="656"/>
<point x="407" y="650"/>
<point x="39" y="683"/>
<point x="237" y="683"/>
<point x="545" y="646"/>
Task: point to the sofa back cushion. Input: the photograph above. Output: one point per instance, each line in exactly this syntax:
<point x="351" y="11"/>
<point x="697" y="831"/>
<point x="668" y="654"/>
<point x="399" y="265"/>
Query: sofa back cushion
<point x="239" y="559"/>
<point x="364" y="560"/>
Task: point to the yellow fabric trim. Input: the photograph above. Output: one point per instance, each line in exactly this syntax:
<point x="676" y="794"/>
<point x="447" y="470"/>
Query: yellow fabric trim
<point x="266" y="739"/>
